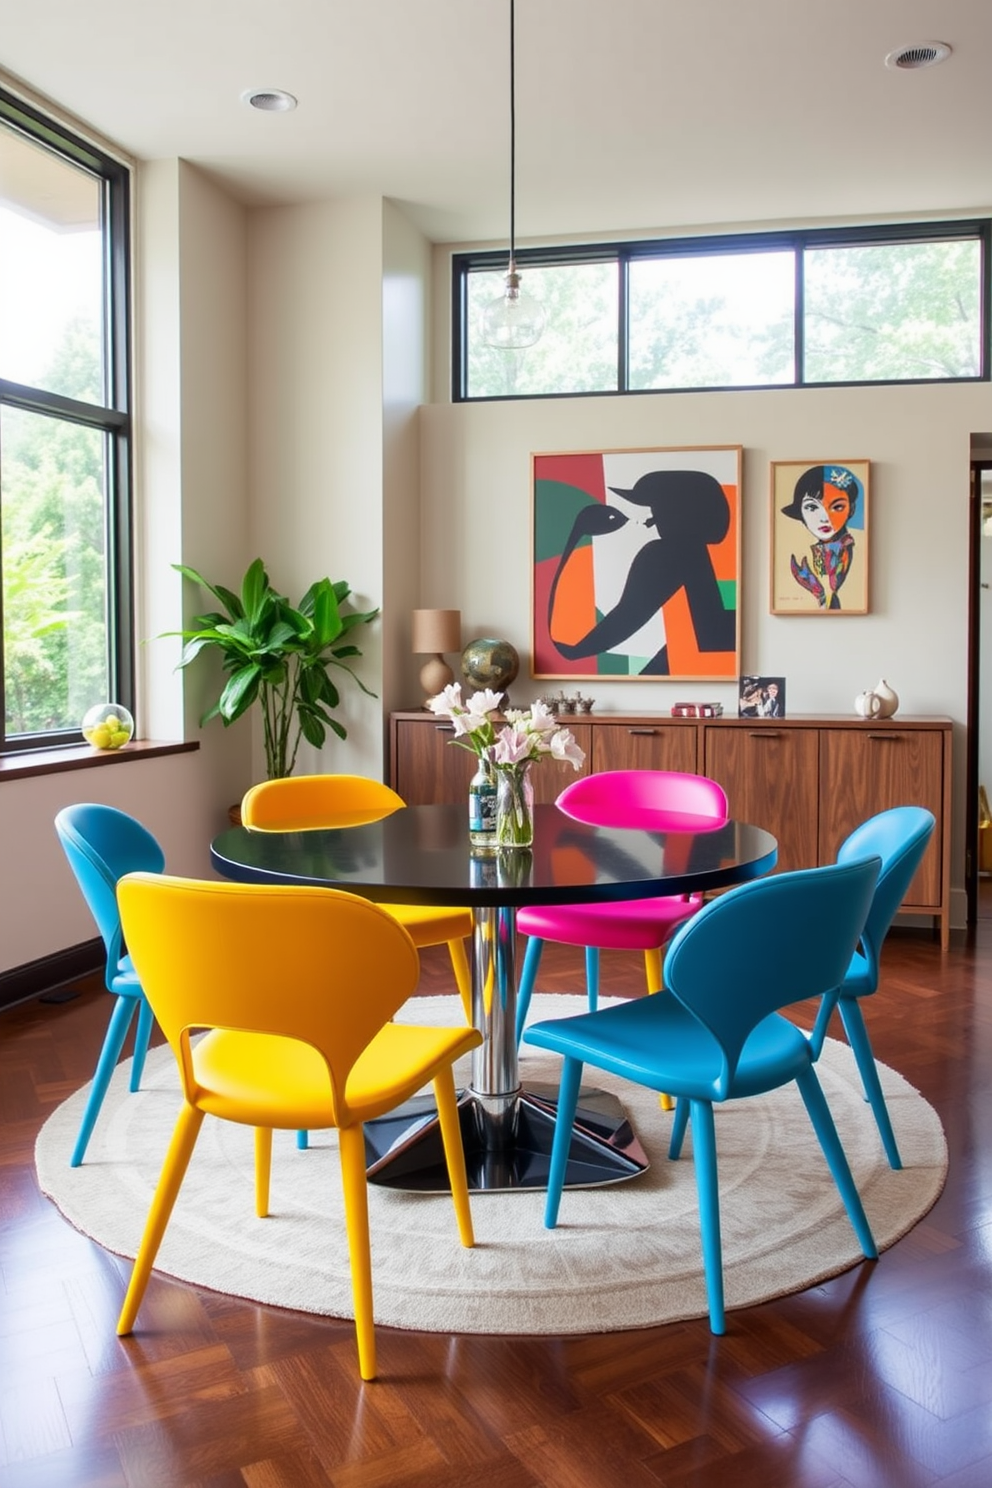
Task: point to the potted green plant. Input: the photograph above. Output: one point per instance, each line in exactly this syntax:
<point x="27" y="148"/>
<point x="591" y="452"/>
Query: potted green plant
<point x="278" y="655"/>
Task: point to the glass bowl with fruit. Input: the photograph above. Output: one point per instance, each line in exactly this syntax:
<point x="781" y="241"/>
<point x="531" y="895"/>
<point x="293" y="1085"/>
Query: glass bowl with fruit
<point x="108" y="726"/>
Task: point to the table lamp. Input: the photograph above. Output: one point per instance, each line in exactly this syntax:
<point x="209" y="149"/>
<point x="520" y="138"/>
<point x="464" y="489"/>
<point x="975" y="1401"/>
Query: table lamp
<point x="434" y="632"/>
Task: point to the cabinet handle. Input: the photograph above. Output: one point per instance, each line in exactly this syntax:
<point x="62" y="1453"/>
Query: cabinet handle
<point x="650" y="731"/>
<point x="766" y="734"/>
<point x="889" y="738"/>
<point x="444" y="728"/>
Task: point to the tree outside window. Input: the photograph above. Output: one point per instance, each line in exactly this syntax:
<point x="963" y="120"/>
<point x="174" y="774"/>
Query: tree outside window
<point x="64" y="430"/>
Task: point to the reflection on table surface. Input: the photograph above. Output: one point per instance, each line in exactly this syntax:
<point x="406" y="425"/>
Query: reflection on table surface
<point x="422" y="854"/>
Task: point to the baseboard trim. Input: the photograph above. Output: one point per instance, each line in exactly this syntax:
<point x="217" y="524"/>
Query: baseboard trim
<point x="37" y="977"/>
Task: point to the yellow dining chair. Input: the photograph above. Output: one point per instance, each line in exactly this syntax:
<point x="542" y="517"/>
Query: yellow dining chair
<point x="295" y="1036"/>
<point x="300" y="803"/>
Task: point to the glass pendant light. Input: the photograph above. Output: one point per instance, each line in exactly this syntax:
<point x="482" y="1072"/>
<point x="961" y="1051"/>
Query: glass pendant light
<point x="516" y="319"/>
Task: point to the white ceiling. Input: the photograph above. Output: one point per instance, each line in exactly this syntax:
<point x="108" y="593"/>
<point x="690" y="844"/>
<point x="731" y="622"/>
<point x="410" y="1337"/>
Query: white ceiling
<point x="631" y="114"/>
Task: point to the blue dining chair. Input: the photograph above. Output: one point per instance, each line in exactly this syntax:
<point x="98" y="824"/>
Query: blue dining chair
<point x="717" y="1033"/>
<point x="102" y="844"/>
<point x="899" y="837"/>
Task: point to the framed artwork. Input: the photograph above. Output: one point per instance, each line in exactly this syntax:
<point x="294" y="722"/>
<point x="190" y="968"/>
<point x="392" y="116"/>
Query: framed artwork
<point x="761" y="697"/>
<point x="819" y="529"/>
<point x="636" y="564"/>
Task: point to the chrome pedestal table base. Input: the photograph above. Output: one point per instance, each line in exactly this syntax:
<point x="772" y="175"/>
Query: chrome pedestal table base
<point x="507" y="1129"/>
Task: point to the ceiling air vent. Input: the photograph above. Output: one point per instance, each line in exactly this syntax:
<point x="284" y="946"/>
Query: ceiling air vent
<point x="920" y="54"/>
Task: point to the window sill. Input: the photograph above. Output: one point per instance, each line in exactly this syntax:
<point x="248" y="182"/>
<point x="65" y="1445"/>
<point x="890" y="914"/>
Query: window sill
<point x="83" y="757"/>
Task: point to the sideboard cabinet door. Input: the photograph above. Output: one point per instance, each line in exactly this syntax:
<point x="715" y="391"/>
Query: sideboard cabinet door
<point x="770" y="777"/>
<point x="427" y="766"/>
<point x="645" y="746"/>
<point x="864" y="770"/>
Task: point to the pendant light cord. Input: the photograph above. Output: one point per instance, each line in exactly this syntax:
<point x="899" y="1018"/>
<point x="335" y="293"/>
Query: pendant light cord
<point x="513" y="139"/>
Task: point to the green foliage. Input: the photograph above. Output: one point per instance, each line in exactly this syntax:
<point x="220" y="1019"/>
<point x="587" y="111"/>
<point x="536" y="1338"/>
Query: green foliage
<point x="54" y="571"/>
<point x="278" y="655"/>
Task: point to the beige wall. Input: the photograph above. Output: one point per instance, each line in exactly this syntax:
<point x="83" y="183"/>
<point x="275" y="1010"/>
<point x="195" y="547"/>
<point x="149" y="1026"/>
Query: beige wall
<point x="315" y="435"/>
<point x="477" y="509"/>
<point x="405" y="360"/>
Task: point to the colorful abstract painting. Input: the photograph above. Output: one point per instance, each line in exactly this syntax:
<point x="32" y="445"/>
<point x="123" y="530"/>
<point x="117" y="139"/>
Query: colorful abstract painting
<point x="819" y="537"/>
<point x="637" y="564"/>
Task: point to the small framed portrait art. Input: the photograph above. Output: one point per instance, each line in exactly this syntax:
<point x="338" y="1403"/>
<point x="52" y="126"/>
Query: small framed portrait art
<point x="819" y="537"/>
<point x="761" y="697"/>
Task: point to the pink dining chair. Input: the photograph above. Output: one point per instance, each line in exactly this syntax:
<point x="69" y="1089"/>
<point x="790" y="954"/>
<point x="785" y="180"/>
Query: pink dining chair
<point x="621" y="798"/>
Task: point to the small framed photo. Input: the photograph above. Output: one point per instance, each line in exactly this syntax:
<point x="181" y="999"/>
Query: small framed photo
<point x="819" y="527"/>
<point x="761" y="697"/>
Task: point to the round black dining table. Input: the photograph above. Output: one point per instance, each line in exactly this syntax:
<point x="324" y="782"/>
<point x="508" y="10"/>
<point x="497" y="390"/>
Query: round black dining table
<point x="422" y="855"/>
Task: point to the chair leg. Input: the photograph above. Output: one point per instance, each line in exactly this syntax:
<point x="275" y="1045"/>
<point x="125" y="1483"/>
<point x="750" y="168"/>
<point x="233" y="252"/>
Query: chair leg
<point x="568" y="1095"/>
<point x="592" y="977"/>
<point x="678" y="1128"/>
<point x="707" y="1187"/>
<point x="263" y="1169"/>
<point x="120" y="1022"/>
<point x="656" y="982"/>
<point x="454" y="1151"/>
<point x="528" y="976"/>
<point x="184" y="1136"/>
<point x="463" y="976"/>
<point x="857" y="1036"/>
<point x="143" y="1032"/>
<point x="356" y="1211"/>
<point x="823" y="1125"/>
<point x="302" y="1140"/>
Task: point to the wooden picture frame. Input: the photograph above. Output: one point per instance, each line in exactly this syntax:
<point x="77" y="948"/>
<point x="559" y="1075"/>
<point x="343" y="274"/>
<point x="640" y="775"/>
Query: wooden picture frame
<point x="819" y="537"/>
<point x="637" y="564"/>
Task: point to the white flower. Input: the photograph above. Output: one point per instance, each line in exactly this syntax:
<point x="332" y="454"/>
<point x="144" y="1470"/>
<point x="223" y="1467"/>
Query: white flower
<point x="564" y="747"/>
<point x="465" y="724"/>
<point x="447" y="701"/>
<point x="481" y="704"/>
<point x="513" y="745"/>
<point x="542" y="720"/>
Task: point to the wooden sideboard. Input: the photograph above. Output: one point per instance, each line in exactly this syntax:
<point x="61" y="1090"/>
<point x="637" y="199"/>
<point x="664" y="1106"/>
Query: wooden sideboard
<point x="808" y="779"/>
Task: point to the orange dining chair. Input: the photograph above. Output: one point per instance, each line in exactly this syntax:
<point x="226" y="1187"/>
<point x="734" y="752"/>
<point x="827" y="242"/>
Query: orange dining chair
<point x="300" y="803"/>
<point x="293" y="988"/>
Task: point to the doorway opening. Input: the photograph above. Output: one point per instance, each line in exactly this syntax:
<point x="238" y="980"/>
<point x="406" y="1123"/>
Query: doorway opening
<point x="978" y="827"/>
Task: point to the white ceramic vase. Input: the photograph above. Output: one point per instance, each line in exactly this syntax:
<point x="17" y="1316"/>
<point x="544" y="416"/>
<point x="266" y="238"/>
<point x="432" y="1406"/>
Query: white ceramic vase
<point x="867" y="705"/>
<point x="888" y="700"/>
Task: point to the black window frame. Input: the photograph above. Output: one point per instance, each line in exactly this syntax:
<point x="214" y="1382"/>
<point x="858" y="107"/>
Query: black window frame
<point x="112" y="419"/>
<point x="797" y="240"/>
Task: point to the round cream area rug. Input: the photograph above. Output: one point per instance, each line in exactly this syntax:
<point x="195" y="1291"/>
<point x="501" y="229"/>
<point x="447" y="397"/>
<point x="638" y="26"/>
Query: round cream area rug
<point x="624" y="1256"/>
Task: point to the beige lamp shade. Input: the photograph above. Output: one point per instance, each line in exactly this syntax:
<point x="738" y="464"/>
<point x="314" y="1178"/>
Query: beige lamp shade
<point x="434" y="632"/>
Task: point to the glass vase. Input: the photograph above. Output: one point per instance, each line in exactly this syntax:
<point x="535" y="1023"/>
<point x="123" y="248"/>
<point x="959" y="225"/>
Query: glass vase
<point x="514" y="806"/>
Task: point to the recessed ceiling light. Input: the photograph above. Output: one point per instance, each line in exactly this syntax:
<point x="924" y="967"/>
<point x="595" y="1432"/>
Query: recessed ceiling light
<point x="269" y="100"/>
<point x="919" y="54"/>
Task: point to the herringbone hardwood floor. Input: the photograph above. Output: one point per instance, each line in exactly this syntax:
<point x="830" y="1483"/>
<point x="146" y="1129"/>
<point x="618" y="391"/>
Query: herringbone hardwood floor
<point x="881" y="1378"/>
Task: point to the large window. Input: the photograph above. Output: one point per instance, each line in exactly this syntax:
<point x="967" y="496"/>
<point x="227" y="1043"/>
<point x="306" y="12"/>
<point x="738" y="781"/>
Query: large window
<point x="906" y="304"/>
<point x="64" y="430"/>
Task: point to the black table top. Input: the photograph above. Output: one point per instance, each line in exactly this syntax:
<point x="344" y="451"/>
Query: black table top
<point x="422" y="855"/>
